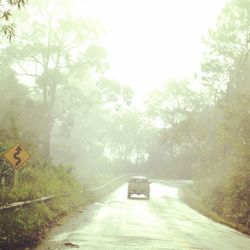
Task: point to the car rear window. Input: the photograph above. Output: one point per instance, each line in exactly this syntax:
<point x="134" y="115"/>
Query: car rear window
<point x="139" y="180"/>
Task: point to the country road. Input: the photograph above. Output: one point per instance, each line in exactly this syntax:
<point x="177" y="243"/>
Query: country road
<point x="164" y="222"/>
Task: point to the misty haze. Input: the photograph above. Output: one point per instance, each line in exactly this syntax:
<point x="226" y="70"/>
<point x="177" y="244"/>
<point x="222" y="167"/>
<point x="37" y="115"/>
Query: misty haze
<point x="125" y="124"/>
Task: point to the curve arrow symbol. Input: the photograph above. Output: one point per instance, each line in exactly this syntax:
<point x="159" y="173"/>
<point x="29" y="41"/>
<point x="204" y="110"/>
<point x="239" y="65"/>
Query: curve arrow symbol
<point x="16" y="156"/>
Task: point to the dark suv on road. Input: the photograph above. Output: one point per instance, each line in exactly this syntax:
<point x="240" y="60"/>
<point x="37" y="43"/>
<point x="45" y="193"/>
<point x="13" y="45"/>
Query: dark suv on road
<point x="139" y="185"/>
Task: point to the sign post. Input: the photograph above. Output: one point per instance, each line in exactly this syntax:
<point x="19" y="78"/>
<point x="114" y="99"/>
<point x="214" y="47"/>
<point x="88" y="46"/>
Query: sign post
<point x="16" y="157"/>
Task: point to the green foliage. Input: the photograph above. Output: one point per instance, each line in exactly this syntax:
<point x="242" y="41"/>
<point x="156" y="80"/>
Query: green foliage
<point x="35" y="181"/>
<point x="49" y="52"/>
<point x="225" y="201"/>
<point x="236" y="203"/>
<point x="39" y="179"/>
<point x="6" y="6"/>
<point x="82" y="117"/>
<point x="191" y="198"/>
<point x="207" y="132"/>
<point x="225" y="184"/>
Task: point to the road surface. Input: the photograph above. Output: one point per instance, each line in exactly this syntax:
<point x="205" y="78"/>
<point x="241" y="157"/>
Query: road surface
<point x="163" y="222"/>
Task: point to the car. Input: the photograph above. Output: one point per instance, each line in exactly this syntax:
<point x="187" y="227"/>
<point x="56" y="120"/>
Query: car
<point x="139" y="185"/>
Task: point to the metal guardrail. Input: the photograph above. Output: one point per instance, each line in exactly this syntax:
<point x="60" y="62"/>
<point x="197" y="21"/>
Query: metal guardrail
<point x="23" y="203"/>
<point x="108" y="184"/>
<point x="47" y="198"/>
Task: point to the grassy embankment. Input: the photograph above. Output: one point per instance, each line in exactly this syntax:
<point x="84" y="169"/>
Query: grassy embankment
<point x="226" y="202"/>
<point x="23" y="226"/>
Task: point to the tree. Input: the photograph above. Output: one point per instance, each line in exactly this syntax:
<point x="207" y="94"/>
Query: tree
<point x="226" y="76"/>
<point x="180" y="113"/>
<point x="227" y="47"/>
<point x="49" y="52"/>
<point x="170" y="105"/>
<point x="95" y="131"/>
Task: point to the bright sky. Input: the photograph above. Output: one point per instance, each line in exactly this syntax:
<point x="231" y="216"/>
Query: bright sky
<point x="149" y="41"/>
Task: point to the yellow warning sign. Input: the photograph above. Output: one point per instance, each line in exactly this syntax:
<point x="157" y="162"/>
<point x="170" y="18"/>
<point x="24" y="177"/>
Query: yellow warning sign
<point x="16" y="156"/>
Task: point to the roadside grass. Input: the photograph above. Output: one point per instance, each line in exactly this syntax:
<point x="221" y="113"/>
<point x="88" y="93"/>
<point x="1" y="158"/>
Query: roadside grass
<point x="194" y="200"/>
<point x="25" y="226"/>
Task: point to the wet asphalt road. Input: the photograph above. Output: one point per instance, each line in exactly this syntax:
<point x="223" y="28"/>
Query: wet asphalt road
<point x="163" y="222"/>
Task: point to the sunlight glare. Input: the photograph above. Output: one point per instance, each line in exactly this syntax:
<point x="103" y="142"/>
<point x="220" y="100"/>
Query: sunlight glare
<point x="149" y="41"/>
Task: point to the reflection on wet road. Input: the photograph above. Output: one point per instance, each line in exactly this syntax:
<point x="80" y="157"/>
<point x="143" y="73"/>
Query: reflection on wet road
<point x="163" y="222"/>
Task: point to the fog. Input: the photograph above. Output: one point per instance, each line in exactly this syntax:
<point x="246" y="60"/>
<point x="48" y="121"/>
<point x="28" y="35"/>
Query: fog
<point x="112" y="88"/>
<point x="94" y="90"/>
<point x="77" y="102"/>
